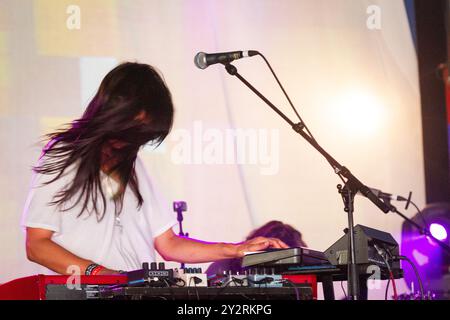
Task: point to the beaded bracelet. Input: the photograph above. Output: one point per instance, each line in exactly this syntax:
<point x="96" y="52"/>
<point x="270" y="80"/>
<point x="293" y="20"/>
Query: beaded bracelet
<point x="97" y="270"/>
<point x="91" y="268"/>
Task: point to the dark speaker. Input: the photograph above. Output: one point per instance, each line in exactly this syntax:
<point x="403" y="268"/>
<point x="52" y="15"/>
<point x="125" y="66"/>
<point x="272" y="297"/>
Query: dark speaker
<point x="366" y="254"/>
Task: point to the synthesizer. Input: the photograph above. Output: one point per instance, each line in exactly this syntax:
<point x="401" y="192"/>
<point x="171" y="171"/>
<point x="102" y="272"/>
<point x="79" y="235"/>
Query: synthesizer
<point x="283" y="257"/>
<point x="43" y="287"/>
<point x="46" y="287"/>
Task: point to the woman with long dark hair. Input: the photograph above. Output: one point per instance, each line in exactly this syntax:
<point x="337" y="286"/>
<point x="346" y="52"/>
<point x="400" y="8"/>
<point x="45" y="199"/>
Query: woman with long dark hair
<point x="92" y="205"/>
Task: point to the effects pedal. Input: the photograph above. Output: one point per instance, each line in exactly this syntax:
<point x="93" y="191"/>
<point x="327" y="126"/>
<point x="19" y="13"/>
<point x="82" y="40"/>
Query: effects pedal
<point x="153" y="275"/>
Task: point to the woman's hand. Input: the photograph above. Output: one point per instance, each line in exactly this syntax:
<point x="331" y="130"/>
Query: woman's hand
<point x="258" y="244"/>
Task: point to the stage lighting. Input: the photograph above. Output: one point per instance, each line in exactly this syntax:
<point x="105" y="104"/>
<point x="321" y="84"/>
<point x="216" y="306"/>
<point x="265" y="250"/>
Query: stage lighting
<point x="430" y="258"/>
<point x="438" y="231"/>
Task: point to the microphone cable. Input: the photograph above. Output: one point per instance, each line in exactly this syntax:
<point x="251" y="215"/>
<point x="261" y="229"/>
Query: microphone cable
<point x="383" y="253"/>
<point x="295" y="110"/>
<point x="287" y="96"/>
<point x="422" y="296"/>
<point x="408" y="202"/>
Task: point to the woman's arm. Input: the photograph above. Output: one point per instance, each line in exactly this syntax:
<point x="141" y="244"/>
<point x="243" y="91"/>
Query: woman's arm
<point x="175" y="248"/>
<point x="42" y="250"/>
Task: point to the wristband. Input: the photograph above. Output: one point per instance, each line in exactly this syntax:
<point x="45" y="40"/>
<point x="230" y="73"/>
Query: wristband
<point x="96" y="270"/>
<point x="90" y="268"/>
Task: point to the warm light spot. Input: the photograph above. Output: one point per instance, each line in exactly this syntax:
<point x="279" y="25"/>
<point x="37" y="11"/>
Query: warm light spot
<point x="358" y="112"/>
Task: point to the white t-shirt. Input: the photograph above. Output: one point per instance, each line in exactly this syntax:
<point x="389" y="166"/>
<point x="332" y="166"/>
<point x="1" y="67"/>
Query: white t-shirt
<point x="118" y="243"/>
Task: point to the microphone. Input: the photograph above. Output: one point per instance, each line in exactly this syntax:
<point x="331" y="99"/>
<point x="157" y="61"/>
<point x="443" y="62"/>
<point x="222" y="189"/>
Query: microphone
<point x="204" y="60"/>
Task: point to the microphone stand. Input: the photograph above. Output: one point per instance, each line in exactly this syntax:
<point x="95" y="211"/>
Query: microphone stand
<point x="179" y="207"/>
<point x="351" y="188"/>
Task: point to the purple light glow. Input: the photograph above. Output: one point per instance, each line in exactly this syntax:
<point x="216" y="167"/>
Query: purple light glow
<point x="421" y="258"/>
<point x="438" y="231"/>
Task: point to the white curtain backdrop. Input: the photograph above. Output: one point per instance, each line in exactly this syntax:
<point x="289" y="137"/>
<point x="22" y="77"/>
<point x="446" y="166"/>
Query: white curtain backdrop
<point x="349" y="66"/>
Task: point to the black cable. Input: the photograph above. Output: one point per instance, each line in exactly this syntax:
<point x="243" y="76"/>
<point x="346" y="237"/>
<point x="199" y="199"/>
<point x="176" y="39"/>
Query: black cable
<point x="295" y="110"/>
<point x="416" y="272"/>
<point x="238" y="281"/>
<point x="297" y="294"/>
<point x="422" y="216"/>
<point x="264" y="280"/>
<point x="168" y="282"/>
<point x="391" y="275"/>
<point x="195" y="286"/>
<point x="408" y="201"/>
<point x="287" y="96"/>
<point x="387" y="289"/>
<point x="196" y="281"/>
<point x="179" y="280"/>
<point x="343" y="290"/>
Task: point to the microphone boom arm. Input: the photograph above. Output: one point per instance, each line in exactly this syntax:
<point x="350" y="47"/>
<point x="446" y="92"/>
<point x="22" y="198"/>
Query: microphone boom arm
<point x="298" y="127"/>
<point x="352" y="185"/>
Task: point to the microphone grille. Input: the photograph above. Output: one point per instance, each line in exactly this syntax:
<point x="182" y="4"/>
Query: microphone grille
<point x="200" y="60"/>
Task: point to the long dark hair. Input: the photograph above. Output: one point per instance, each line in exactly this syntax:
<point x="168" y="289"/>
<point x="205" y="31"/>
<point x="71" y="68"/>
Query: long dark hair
<point x="277" y="229"/>
<point x="134" y="106"/>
